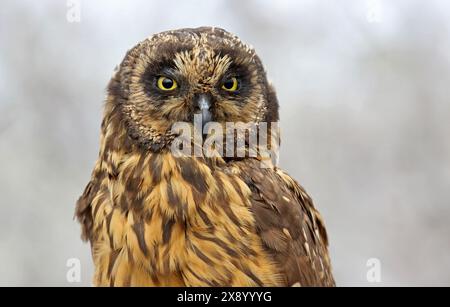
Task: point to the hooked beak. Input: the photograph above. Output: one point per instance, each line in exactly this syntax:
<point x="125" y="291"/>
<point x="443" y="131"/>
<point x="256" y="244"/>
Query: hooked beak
<point x="204" y="105"/>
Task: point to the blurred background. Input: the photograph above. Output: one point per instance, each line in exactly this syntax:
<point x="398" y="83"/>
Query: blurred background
<point x="365" y="115"/>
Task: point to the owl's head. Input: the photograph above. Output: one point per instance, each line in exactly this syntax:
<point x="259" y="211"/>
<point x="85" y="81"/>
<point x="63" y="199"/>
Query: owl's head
<point x="173" y="75"/>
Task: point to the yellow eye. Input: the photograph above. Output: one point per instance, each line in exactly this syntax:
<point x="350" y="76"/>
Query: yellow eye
<point x="166" y="84"/>
<point x="230" y="85"/>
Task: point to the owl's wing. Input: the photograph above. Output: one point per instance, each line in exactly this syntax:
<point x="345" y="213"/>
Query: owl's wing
<point x="83" y="209"/>
<point x="291" y="229"/>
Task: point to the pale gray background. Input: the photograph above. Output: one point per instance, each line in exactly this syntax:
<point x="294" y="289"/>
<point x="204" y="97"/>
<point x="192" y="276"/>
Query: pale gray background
<point x="364" y="106"/>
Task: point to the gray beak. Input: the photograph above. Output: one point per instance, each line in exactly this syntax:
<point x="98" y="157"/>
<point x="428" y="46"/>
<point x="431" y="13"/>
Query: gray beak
<point x="204" y="105"/>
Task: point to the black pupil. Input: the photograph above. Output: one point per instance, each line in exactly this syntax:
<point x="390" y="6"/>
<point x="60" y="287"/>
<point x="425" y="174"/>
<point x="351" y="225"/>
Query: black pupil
<point x="229" y="84"/>
<point x="167" y="83"/>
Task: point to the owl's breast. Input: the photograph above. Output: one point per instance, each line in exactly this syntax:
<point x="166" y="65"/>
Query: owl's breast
<point x="178" y="221"/>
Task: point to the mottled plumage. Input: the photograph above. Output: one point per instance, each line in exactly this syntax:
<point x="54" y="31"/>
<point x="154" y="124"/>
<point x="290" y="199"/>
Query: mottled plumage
<point x="153" y="218"/>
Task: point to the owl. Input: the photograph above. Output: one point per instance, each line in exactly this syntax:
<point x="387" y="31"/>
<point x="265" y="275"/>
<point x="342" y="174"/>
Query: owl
<point x="155" y="217"/>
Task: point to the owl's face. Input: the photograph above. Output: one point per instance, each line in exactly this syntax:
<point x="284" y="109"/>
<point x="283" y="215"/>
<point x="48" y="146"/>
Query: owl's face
<point x="174" y="75"/>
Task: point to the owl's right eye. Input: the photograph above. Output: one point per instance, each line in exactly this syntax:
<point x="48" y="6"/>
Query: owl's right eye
<point x="166" y="83"/>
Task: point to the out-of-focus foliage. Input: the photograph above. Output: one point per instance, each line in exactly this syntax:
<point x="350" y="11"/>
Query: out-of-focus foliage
<point x="365" y="115"/>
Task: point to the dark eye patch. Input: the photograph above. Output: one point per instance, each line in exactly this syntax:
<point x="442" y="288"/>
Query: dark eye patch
<point x="164" y="66"/>
<point x="239" y="68"/>
<point x="156" y="70"/>
<point x="242" y="74"/>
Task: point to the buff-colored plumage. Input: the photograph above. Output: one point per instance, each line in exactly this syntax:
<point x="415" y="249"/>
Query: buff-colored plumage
<point x="160" y="220"/>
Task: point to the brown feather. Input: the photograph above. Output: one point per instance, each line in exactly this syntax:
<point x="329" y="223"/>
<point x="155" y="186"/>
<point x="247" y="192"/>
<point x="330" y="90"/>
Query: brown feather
<point x="287" y="222"/>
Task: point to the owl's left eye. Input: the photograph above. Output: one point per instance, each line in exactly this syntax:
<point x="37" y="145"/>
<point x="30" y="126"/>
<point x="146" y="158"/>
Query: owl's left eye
<point x="166" y="83"/>
<point x="230" y="84"/>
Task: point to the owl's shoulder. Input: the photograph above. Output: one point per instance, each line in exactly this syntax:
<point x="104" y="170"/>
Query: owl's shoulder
<point x="290" y="227"/>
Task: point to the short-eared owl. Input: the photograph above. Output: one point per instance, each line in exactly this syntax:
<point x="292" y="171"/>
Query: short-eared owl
<point x="158" y="218"/>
